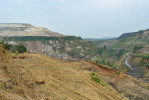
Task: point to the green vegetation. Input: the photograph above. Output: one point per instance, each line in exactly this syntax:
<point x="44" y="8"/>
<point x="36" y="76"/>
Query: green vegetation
<point x="104" y="62"/>
<point x="147" y="87"/>
<point x="110" y="54"/>
<point x="36" y="38"/>
<point x="142" y="58"/>
<point x="137" y="48"/>
<point x="130" y="42"/>
<point x="146" y="56"/>
<point x="19" y="48"/>
<point x="97" y="79"/>
<point x="75" y="52"/>
<point x="92" y="74"/>
<point x="14" y="48"/>
<point x="80" y="49"/>
<point x="118" y="73"/>
<point x="7" y="46"/>
<point x="4" y="52"/>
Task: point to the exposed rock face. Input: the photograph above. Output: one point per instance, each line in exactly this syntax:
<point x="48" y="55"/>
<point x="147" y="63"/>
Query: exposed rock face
<point x="63" y="49"/>
<point x="15" y="29"/>
<point x="43" y="41"/>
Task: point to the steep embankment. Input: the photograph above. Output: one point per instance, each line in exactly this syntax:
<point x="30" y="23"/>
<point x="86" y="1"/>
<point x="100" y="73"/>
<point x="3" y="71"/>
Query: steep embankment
<point x="36" y="77"/>
<point x="132" y="88"/>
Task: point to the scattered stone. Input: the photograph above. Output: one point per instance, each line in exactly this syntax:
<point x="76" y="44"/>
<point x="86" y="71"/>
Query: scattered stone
<point x="40" y="82"/>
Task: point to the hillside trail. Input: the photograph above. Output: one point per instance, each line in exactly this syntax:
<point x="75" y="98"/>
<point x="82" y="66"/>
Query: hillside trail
<point x="135" y="71"/>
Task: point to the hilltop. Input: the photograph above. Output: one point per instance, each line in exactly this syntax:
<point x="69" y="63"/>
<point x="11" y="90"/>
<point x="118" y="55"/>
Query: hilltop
<point x="127" y="40"/>
<point x="22" y="29"/>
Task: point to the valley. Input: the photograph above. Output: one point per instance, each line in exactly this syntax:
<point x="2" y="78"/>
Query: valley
<point x="39" y="64"/>
<point x="64" y="80"/>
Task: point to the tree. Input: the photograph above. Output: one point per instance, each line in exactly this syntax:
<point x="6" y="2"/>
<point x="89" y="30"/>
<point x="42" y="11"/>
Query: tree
<point x="21" y="48"/>
<point x="7" y="46"/>
<point x="105" y="47"/>
<point x="2" y="42"/>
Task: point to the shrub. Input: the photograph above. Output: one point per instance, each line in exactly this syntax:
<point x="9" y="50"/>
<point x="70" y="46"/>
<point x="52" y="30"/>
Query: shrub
<point x="92" y="74"/>
<point x="19" y="48"/>
<point x="2" y="42"/>
<point x="96" y="79"/>
<point x="104" y="62"/>
<point x="7" y="46"/>
<point x="4" y="52"/>
<point x="118" y="73"/>
<point x="14" y="48"/>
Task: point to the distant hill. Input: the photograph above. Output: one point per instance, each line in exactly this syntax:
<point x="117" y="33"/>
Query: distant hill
<point x="126" y="35"/>
<point x="127" y="40"/>
<point x="115" y="51"/>
<point x="22" y="29"/>
<point x="95" y="39"/>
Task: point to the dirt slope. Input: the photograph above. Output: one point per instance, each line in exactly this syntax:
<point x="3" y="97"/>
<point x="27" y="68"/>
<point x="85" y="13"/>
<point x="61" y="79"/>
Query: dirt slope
<point x="40" y="77"/>
<point x="133" y="88"/>
<point x="62" y="80"/>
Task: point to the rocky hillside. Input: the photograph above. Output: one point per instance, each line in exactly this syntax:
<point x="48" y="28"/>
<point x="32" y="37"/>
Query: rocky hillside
<point x="127" y="40"/>
<point x="115" y="50"/>
<point x="43" y="41"/>
<point x="40" y="77"/>
<point x="126" y="35"/>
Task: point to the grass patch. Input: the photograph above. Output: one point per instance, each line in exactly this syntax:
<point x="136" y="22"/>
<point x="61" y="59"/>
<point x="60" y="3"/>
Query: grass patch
<point x="147" y="87"/>
<point x="118" y="73"/>
<point x="95" y="78"/>
<point x="92" y="74"/>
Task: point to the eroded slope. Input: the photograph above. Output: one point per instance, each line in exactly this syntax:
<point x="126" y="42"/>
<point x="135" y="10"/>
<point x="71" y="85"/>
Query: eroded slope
<point x="61" y="80"/>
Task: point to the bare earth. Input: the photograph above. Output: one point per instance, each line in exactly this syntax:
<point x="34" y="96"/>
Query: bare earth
<point x="63" y="80"/>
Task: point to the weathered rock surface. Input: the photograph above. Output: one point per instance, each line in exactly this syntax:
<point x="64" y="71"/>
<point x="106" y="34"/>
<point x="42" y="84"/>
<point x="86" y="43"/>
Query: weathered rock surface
<point x="43" y="41"/>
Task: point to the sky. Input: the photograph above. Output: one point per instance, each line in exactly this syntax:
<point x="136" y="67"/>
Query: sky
<point x="85" y="18"/>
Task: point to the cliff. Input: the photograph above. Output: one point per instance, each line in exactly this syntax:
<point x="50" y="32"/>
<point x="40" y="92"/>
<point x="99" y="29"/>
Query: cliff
<point x="43" y="41"/>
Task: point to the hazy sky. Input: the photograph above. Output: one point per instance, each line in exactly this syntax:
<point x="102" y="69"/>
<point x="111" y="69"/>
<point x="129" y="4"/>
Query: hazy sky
<point x="85" y="18"/>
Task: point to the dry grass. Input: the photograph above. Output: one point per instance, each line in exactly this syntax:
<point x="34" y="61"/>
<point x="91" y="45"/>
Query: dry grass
<point x="62" y="80"/>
